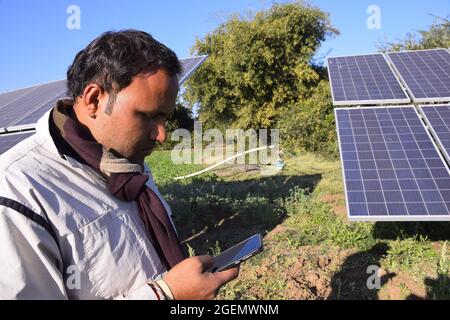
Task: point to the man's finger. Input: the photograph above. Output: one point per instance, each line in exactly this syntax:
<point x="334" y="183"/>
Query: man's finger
<point x="207" y="262"/>
<point x="227" y="275"/>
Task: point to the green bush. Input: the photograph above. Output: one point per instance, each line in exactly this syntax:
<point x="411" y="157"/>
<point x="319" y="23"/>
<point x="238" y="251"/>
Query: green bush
<point x="309" y="125"/>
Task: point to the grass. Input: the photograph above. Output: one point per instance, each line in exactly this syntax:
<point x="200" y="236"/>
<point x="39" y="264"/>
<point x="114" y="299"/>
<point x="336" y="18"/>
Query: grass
<point x="164" y="171"/>
<point x="409" y="255"/>
<point x="311" y="251"/>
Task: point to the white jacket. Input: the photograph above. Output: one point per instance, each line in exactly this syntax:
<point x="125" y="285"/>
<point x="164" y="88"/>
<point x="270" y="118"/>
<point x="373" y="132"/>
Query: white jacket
<point x="62" y="235"/>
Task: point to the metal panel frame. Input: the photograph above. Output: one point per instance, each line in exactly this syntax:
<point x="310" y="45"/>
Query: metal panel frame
<point x="398" y="74"/>
<point x="7" y="134"/>
<point x="387" y="218"/>
<point x="368" y="102"/>
<point x="23" y="127"/>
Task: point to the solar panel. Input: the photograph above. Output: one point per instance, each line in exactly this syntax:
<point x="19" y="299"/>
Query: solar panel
<point x="7" y="98"/>
<point x="365" y="79"/>
<point x="392" y="169"/>
<point x="189" y="66"/>
<point x="22" y="108"/>
<point x="31" y="104"/>
<point x="426" y="73"/>
<point x="438" y="119"/>
<point x="34" y="115"/>
<point x="7" y="141"/>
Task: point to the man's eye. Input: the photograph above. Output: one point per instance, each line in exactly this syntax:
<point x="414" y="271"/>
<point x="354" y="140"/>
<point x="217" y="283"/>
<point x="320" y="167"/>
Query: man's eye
<point x="153" y="117"/>
<point x="146" y="116"/>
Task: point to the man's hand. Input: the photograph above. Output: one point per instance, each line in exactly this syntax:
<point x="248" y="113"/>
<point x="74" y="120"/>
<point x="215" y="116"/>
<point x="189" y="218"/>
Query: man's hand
<point x="189" y="279"/>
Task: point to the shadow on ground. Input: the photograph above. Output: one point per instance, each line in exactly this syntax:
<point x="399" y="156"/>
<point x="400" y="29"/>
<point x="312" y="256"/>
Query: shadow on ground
<point x="351" y="282"/>
<point x="434" y="231"/>
<point x="437" y="289"/>
<point x="211" y="213"/>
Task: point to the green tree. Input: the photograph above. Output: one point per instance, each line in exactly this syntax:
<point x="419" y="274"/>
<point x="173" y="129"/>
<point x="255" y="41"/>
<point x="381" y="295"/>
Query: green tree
<point x="309" y="125"/>
<point x="258" y="66"/>
<point x="181" y="118"/>
<point x="437" y="36"/>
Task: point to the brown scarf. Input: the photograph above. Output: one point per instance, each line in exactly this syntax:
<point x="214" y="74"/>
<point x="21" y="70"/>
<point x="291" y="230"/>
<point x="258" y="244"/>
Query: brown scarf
<point x="125" y="180"/>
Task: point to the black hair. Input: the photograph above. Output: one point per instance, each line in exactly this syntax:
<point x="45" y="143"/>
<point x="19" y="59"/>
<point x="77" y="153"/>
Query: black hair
<point x="114" y="58"/>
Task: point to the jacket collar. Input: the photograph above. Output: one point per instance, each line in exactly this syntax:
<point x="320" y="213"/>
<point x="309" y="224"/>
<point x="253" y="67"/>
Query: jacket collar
<point x="43" y="130"/>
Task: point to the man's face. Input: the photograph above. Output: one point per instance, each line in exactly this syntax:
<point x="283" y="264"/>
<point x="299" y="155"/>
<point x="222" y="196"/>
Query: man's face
<point x="138" y="117"/>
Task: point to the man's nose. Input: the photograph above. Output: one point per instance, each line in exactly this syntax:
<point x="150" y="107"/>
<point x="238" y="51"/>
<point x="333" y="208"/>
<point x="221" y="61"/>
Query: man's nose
<point x="159" y="133"/>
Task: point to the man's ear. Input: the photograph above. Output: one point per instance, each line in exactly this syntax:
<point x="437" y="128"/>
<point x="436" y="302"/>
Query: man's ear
<point x="93" y="94"/>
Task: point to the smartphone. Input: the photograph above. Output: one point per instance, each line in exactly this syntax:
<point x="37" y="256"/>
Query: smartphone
<point x="238" y="253"/>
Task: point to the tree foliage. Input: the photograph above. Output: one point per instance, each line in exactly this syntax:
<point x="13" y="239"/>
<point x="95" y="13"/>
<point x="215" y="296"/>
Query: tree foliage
<point x="309" y="125"/>
<point x="437" y="36"/>
<point x="258" y="66"/>
<point x="181" y="118"/>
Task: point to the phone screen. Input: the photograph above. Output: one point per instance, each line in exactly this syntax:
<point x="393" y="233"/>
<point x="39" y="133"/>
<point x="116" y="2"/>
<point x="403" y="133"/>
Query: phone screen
<point x="238" y="253"/>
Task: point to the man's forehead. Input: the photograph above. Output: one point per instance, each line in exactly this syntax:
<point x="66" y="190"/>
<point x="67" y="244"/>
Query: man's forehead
<point x="156" y="83"/>
<point x="159" y="74"/>
<point x="148" y="84"/>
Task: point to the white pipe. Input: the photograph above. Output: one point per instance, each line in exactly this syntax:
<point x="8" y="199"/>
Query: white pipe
<point x="222" y="162"/>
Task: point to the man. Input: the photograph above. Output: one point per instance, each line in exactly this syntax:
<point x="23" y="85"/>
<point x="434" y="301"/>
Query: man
<point x="80" y="215"/>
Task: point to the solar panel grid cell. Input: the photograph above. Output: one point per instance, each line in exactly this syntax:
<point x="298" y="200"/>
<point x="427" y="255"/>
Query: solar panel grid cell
<point x="365" y="79"/>
<point x="27" y="104"/>
<point x="438" y="119"/>
<point x="392" y="169"/>
<point x="9" y="97"/>
<point x="426" y="73"/>
<point x="33" y="115"/>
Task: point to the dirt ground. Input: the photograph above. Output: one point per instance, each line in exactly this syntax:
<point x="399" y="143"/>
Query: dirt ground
<point x="317" y="273"/>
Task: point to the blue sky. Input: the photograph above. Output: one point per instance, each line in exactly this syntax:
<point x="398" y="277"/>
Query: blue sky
<point x="36" y="46"/>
